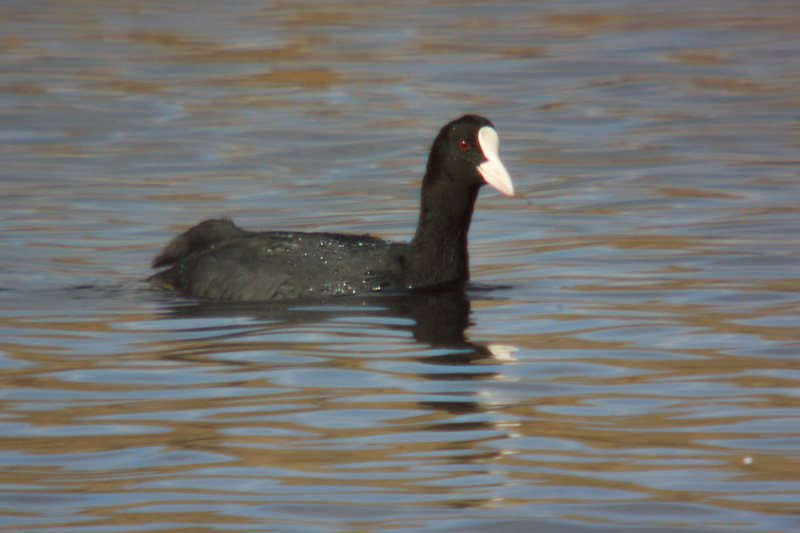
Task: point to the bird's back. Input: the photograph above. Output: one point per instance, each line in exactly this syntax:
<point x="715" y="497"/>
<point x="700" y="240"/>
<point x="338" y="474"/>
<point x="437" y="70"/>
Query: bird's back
<point x="217" y="260"/>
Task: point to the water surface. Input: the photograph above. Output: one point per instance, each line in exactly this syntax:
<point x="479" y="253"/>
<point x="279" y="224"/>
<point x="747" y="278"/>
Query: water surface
<point x="626" y="358"/>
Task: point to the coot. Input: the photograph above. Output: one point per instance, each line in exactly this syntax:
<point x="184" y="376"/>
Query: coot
<point x="219" y="261"/>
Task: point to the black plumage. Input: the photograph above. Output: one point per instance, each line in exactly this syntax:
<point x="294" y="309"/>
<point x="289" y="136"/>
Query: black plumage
<point x="219" y="261"/>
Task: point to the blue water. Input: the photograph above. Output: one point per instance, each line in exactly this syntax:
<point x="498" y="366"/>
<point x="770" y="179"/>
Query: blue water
<point x="625" y="358"/>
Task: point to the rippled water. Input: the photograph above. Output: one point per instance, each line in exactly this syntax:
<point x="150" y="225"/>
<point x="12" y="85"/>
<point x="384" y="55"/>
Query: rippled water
<point x="626" y="358"/>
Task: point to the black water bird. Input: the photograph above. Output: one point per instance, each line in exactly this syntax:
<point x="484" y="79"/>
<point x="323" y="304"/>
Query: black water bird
<point x="217" y="260"/>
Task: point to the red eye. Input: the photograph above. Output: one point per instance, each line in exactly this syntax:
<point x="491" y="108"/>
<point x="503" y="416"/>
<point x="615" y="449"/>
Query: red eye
<point x="464" y="144"/>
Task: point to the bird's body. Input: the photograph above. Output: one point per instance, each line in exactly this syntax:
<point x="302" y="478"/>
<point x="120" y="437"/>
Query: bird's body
<point x="219" y="261"/>
<point x="284" y="265"/>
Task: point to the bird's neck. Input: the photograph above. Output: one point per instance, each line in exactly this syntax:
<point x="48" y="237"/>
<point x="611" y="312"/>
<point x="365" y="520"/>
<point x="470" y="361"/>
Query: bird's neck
<point x="439" y="247"/>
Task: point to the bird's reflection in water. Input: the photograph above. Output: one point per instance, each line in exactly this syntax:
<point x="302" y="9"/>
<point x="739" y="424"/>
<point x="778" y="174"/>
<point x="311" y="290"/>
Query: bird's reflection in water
<point x="466" y="375"/>
<point x="436" y="317"/>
